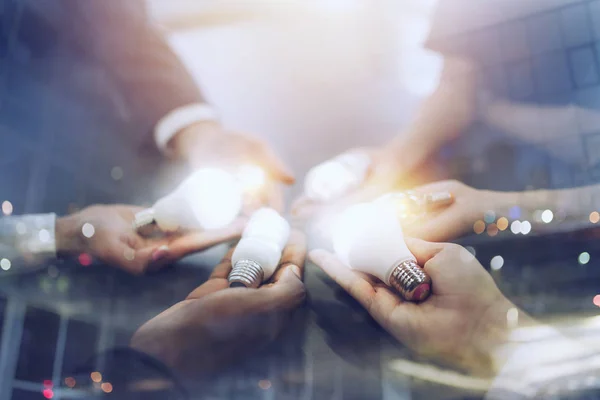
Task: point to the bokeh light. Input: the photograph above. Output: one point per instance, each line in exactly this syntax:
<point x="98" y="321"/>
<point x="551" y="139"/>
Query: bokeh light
<point x="88" y="230"/>
<point x="106" y="387"/>
<point x="44" y="236"/>
<point x="525" y="227"/>
<point x="596" y="300"/>
<point x="5" y="264"/>
<point x="96" y="376"/>
<point x="116" y="173"/>
<point x="502" y="223"/>
<point x="515" y="227"/>
<point x="7" y="208"/>
<point x="479" y="227"/>
<point x="584" y="258"/>
<point x="496" y="263"/>
<point x="85" y="259"/>
<point x="514" y="212"/>
<point x="48" y="393"/>
<point x="70" y="382"/>
<point x="489" y="216"/>
<point x="264" y="384"/>
<point x="492" y="230"/>
<point x="547" y="216"/>
<point x="594" y="217"/>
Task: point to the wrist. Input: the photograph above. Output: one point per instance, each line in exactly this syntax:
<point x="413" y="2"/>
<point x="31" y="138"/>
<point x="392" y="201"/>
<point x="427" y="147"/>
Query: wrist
<point x="68" y="236"/>
<point x="199" y="134"/>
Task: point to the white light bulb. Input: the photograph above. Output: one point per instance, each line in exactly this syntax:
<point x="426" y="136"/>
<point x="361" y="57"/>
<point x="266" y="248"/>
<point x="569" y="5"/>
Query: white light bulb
<point x="210" y="198"/>
<point x="258" y="253"/>
<point x="368" y="238"/>
<point x="336" y="177"/>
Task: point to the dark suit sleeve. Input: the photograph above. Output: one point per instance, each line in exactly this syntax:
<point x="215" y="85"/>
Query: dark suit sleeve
<point x="121" y="36"/>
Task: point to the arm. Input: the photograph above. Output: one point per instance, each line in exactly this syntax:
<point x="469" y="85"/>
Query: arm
<point x="469" y="324"/>
<point x="155" y="83"/>
<point x="441" y="117"/>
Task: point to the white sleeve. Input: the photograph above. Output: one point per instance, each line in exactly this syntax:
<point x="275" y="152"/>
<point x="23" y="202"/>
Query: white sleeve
<point x="26" y="240"/>
<point x="179" y="119"/>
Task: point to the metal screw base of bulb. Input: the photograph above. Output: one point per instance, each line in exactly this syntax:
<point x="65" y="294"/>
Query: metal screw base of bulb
<point x="411" y="281"/>
<point x="246" y="273"/>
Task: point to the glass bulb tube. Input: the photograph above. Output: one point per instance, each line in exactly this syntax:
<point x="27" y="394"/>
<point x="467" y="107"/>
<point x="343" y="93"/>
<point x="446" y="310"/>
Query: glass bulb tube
<point x="368" y="238"/>
<point x="210" y="198"/>
<point x="336" y="177"/>
<point x="258" y="253"/>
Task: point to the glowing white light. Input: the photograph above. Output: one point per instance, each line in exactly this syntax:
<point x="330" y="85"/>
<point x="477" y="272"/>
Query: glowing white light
<point x="584" y="258"/>
<point x="44" y="236"/>
<point x="515" y="227"/>
<point x="251" y="177"/>
<point x="208" y="199"/>
<point x="525" y="227"/>
<point x="7" y="207"/>
<point x="547" y="216"/>
<point x="5" y="264"/>
<point x="496" y="263"/>
<point x="512" y="318"/>
<point x="336" y="177"/>
<point x="367" y="238"/>
<point x="88" y="230"/>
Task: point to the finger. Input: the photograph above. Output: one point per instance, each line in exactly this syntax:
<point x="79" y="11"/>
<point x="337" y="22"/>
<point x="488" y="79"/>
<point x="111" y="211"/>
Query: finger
<point x="349" y="280"/>
<point x="441" y="186"/>
<point x="276" y="167"/>
<point x="286" y="293"/>
<point x="422" y="250"/>
<point x="293" y="256"/>
<point x="223" y="269"/>
<point x="442" y="227"/>
<point x="217" y="280"/>
<point x="191" y="242"/>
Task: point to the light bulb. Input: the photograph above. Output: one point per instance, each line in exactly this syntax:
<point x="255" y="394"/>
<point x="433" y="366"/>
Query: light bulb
<point x="258" y="253"/>
<point x="210" y="198"/>
<point x="368" y="238"/>
<point x="336" y="177"/>
<point x="409" y="206"/>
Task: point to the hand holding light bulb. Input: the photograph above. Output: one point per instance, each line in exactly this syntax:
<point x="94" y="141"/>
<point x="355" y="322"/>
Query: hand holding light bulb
<point x="464" y="322"/>
<point x="216" y="325"/>
<point x="258" y="253"/>
<point x="210" y="198"/>
<point x="209" y="144"/>
<point x="368" y="237"/>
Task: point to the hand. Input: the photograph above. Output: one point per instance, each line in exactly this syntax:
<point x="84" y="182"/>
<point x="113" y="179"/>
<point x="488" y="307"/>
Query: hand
<point x="387" y="172"/>
<point x="114" y="241"/>
<point x="462" y="322"/>
<point x="216" y="325"/>
<point x="338" y="189"/>
<point x="208" y="144"/>
<point x="469" y="206"/>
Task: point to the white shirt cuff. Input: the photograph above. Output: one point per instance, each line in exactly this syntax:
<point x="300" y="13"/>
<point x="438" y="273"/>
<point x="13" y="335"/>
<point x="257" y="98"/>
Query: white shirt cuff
<point x="179" y="119"/>
<point x="28" y="238"/>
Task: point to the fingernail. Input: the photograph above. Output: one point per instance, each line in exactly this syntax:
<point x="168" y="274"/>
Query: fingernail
<point x="160" y="253"/>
